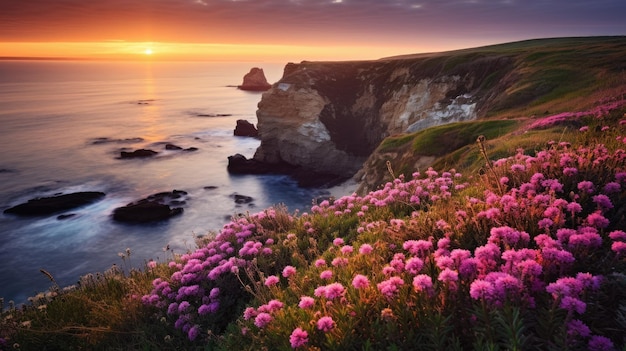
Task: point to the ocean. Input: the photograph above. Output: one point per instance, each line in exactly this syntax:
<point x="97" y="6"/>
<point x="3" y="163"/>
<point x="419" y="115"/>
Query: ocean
<point x="62" y="127"/>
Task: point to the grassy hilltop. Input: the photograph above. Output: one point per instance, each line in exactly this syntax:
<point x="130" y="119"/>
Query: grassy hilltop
<point x="506" y="233"/>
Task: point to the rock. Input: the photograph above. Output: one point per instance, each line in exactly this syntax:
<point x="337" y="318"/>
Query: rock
<point x="255" y="81"/>
<point x="172" y="147"/>
<point x="156" y="207"/>
<point x="105" y="140"/>
<point x="245" y="128"/>
<point x="190" y="149"/>
<point x="242" y="199"/>
<point x="140" y="153"/>
<point x="239" y="164"/>
<point x="48" y="205"/>
<point x="210" y="187"/>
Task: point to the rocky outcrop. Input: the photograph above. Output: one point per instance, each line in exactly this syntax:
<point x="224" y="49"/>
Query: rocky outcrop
<point x="53" y="204"/>
<point x="329" y="116"/>
<point x="255" y="81"/>
<point x="154" y="208"/>
<point x="140" y="153"/>
<point x="245" y="128"/>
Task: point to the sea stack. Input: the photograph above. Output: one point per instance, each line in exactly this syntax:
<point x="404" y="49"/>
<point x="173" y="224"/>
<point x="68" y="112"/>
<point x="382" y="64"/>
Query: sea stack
<point x="255" y="81"/>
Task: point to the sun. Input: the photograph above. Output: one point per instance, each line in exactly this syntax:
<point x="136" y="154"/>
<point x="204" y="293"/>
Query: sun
<point x="148" y="51"/>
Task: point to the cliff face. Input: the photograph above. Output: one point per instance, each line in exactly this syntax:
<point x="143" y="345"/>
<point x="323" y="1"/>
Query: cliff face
<point x="329" y="117"/>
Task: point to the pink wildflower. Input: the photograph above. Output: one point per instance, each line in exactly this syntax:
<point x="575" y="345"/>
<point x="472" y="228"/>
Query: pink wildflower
<point x="338" y="242"/>
<point x="448" y="275"/>
<point x="346" y="250"/>
<point x="481" y="289"/>
<point x="597" y="220"/>
<point x="365" y="249"/>
<point x="327" y="274"/>
<point x="320" y="263"/>
<point x="414" y="265"/>
<point x="306" y="302"/>
<point x="390" y="287"/>
<point x="262" y="320"/>
<point x="586" y="187"/>
<point x="333" y="291"/>
<point x="360" y="281"/>
<point x="577" y="328"/>
<point x="325" y="324"/>
<point x="298" y="338"/>
<point x="584" y="128"/>
<point x="271" y="280"/>
<point x="619" y="247"/>
<point x="289" y="271"/>
<point x="422" y="282"/>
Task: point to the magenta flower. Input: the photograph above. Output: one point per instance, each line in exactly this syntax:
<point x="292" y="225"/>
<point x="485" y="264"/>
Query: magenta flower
<point x="249" y="313"/>
<point x="365" y="249"/>
<point x="193" y="332"/>
<point x="390" y="287"/>
<point x="573" y="304"/>
<point x="597" y="220"/>
<point x="262" y="320"/>
<point x="325" y="324"/>
<point x="481" y="289"/>
<point x="619" y="247"/>
<point x="338" y="242"/>
<point x="327" y="274"/>
<point x="306" y="302"/>
<point x="298" y="338"/>
<point x="600" y="343"/>
<point x="271" y="280"/>
<point x="289" y="271"/>
<point x="586" y="187"/>
<point x="422" y="282"/>
<point x="360" y="281"/>
<point x="414" y="265"/>
<point x="577" y="328"/>
<point x="320" y="263"/>
<point x="332" y="291"/>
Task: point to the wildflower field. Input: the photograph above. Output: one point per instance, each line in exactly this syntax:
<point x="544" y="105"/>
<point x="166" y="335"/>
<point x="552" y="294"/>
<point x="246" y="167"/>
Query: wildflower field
<point x="529" y="253"/>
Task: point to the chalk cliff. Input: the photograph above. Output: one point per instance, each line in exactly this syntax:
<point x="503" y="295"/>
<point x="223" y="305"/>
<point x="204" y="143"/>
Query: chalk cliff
<point x="329" y="116"/>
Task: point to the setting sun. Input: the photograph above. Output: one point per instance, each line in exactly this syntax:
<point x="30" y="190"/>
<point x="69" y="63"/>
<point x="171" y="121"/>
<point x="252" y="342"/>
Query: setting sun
<point x="148" y="51"/>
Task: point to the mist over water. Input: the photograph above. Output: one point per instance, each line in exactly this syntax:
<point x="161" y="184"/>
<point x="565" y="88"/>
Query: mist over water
<point x="63" y="125"/>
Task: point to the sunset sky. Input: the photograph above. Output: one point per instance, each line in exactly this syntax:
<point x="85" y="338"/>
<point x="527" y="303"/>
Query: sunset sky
<point x="292" y="30"/>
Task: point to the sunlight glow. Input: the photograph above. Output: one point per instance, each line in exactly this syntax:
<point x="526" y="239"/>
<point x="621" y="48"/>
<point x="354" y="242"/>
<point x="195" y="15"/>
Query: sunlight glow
<point x="148" y="51"/>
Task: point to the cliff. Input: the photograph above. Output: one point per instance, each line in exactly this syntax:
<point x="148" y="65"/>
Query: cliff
<point x="330" y="116"/>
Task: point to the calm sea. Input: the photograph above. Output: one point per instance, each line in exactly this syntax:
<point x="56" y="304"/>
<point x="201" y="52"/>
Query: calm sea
<point x="62" y="126"/>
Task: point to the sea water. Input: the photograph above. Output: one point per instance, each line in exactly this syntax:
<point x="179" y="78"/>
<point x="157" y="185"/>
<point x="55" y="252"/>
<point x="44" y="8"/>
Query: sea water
<point x="62" y="127"/>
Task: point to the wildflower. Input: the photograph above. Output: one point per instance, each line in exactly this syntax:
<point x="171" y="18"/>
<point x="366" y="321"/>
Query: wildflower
<point x="327" y="274"/>
<point x="518" y="168"/>
<point x="346" y="250"/>
<point x="578" y="328"/>
<point x="262" y="320"/>
<point x="338" y="242"/>
<point x="306" y="302"/>
<point x="481" y="289"/>
<point x="619" y="247"/>
<point x="333" y="291"/>
<point x="414" y="265"/>
<point x="325" y="324"/>
<point x="390" y="286"/>
<point x="193" y="332"/>
<point x="249" y="313"/>
<point x="570" y="171"/>
<point x="597" y="220"/>
<point x="365" y="249"/>
<point x="339" y="262"/>
<point x="271" y="280"/>
<point x="573" y="304"/>
<point x="274" y="305"/>
<point x="360" y="281"/>
<point x="417" y="247"/>
<point x="603" y="202"/>
<point x="612" y="187"/>
<point x="320" y="262"/>
<point x="298" y="338"/>
<point x="289" y="271"/>
<point x="584" y="128"/>
<point x="600" y="343"/>
<point x="422" y="282"/>
<point x="586" y="187"/>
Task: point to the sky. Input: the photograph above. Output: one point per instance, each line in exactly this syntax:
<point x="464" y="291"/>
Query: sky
<point x="289" y="30"/>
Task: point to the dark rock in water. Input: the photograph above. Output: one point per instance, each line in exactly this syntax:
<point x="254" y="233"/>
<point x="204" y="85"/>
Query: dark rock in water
<point x="255" y="81"/>
<point x="105" y="140"/>
<point x="245" y="128"/>
<point x="210" y="187"/>
<point x="141" y="153"/>
<point x="172" y="147"/>
<point x="156" y="207"/>
<point x="190" y="149"/>
<point x="65" y="216"/>
<point x="239" y="164"/>
<point x="48" y="205"/>
<point x="242" y="199"/>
